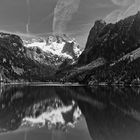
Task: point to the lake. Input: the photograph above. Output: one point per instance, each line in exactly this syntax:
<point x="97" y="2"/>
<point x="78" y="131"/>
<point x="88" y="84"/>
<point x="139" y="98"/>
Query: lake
<point x="69" y="113"/>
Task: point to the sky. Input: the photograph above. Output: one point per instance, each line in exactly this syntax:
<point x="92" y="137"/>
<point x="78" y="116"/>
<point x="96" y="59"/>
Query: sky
<point x="73" y="17"/>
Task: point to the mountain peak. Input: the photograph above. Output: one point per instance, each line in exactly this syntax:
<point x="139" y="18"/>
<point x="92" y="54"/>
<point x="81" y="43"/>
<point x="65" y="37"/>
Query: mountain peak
<point x="115" y="39"/>
<point x="99" y="22"/>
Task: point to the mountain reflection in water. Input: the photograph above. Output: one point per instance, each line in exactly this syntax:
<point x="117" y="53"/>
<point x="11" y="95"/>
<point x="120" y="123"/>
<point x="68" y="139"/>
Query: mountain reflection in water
<point x="65" y="113"/>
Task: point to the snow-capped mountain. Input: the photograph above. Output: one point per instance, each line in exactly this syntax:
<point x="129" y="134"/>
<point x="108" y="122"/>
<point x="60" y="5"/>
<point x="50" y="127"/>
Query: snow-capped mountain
<point x="56" y="45"/>
<point x="35" y="58"/>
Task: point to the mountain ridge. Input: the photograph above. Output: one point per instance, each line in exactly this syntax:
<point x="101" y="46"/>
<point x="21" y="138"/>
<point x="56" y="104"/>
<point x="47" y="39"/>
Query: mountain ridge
<point x="16" y="63"/>
<point x="111" y="54"/>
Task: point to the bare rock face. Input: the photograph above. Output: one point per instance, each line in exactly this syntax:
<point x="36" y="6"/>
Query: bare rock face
<point x="112" y="41"/>
<point x="69" y="49"/>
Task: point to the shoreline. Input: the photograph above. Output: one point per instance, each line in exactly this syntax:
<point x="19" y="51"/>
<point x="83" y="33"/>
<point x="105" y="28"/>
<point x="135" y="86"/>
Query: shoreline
<point x="44" y="84"/>
<point x="67" y="84"/>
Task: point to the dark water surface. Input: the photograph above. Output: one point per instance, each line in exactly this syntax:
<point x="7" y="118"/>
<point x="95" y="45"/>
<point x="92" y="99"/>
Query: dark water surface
<point x="69" y="113"/>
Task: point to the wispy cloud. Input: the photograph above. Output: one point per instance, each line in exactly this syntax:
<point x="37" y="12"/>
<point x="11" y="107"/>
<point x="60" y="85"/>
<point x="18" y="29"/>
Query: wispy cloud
<point x="131" y="10"/>
<point x="122" y="2"/>
<point x="113" y="16"/>
<point x="28" y="16"/>
<point x="126" y="8"/>
<point x="63" y="13"/>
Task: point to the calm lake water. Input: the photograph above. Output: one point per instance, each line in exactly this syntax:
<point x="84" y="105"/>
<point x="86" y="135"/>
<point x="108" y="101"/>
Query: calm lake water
<point x="69" y="113"/>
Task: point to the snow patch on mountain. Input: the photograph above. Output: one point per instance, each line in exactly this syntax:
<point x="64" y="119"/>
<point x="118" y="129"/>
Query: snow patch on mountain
<point x="54" y="47"/>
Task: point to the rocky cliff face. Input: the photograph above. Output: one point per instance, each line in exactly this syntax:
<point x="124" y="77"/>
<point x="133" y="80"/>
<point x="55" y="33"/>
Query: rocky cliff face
<point x="111" y="55"/>
<point x="112" y="41"/>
